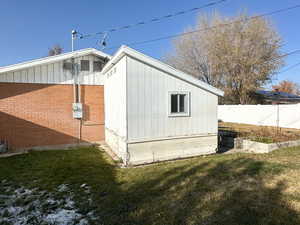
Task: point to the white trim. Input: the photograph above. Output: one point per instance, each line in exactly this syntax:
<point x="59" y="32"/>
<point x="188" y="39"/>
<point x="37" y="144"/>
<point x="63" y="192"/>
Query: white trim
<point x="124" y="50"/>
<point x="186" y="104"/>
<point x="52" y="59"/>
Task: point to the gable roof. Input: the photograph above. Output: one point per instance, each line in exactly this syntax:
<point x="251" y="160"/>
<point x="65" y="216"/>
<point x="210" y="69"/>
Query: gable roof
<point x="124" y="50"/>
<point x="52" y="59"/>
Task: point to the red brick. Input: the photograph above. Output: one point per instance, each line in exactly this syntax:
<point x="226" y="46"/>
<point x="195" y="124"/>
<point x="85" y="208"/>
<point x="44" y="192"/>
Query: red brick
<point x="41" y="114"/>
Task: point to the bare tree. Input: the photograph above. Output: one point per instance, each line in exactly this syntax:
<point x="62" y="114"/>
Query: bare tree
<point x="238" y="54"/>
<point x="288" y="87"/>
<point x="55" y="50"/>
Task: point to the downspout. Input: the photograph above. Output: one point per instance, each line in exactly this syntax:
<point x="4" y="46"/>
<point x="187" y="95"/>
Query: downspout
<point x="77" y="92"/>
<point x="79" y="101"/>
<point x="74" y="81"/>
<point x="79" y="86"/>
<point x="76" y="88"/>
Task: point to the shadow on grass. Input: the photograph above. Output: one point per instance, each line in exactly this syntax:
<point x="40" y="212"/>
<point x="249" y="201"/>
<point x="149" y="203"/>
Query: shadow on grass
<point x="220" y="190"/>
<point x="223" y="192"/>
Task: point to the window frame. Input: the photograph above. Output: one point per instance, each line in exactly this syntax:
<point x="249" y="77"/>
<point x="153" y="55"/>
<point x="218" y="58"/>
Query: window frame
<point x="100" y="68"/>
<point x="89" y="66"/>
<point x="186" y="104"/>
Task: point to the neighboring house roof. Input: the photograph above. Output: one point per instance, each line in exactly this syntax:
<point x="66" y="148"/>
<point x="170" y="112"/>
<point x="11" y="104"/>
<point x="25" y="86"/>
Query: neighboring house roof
<point x="124" y="50"/>
<point x="278" y="96"/>
<point x="52" y="59"/>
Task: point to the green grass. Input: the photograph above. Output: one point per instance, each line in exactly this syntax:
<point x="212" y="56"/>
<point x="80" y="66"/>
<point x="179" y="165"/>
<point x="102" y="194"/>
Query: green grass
<point x="218" y="189"/>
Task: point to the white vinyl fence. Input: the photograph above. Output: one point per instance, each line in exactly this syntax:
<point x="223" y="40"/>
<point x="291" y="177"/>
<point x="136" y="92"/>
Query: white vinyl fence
<point x="268" y="115"/>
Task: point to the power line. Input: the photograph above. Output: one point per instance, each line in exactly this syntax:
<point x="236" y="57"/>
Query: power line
<point x="290" y="53"/>
<point x="282" y="56"/>
<point x="154" y="19"/>
<point x="289" y="68"/>
<point x="285" y="70"/>
<point x="209" y="28"/>
<point x="285" y="55"/>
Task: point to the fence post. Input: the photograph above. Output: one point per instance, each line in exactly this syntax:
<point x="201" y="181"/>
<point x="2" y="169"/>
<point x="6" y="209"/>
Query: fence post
<point x="277" y="121"/>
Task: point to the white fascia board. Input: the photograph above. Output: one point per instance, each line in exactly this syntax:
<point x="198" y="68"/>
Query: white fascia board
<point x="124" y="50"/>
<point x="52" y="59"/>
<point x="116" y="58"/>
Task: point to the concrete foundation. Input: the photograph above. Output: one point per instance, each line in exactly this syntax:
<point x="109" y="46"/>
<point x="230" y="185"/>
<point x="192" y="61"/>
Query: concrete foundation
<point x="117" y="144"/>
<point x="57" y="147"/>
<point x="258" y="147"/>
<point x="139" y="152"/>
<point x="160" y="150"/>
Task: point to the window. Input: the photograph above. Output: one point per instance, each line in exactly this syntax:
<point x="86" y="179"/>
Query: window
<point x="84" y="65"/>
<point x="67" y="65"/>
<point x="179" y="104"/>
<point x="97" y="66"/>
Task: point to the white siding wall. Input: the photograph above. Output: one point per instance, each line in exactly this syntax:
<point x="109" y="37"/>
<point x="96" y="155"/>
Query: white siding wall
<point x="54" y="74"/>
<point x="115" y="108"/>
<point x="147" y="99"/>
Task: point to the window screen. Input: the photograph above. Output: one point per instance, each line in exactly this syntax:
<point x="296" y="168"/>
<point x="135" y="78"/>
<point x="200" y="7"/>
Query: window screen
<point x="179" y="104"/>
<point x="84" y="65"/>
<point x="97" y="66"/>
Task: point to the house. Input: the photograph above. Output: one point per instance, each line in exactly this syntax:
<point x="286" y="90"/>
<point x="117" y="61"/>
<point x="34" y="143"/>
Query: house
<point x="145" y="110"/>
<point x="36" y="100"/>
<point x="277" y="97"/>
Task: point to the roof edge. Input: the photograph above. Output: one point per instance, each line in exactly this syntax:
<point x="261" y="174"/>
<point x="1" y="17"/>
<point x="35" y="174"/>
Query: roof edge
<point x="125" y="50"/>
<point x="51" y="59"/>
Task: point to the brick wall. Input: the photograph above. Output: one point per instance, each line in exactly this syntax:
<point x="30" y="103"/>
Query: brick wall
<point x="41" y="114"/>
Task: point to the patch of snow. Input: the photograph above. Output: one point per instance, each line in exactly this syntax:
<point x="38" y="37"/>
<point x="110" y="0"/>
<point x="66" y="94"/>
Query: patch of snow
<point x="51" y="201"/>
<point x="62" y="216"/>
<point x="14" y="210"/>
<point x="63" y="188"/>
<point x="83" y="222"/>
<point x="21" y="192"/>
<point x="43" y="208"/>
<point x="69" y="203"/>
<point x="83" y="185"/>
<point x="3" y="196"/>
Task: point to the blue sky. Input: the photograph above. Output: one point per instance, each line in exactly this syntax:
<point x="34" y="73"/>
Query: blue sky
<point x="29" y="28"/>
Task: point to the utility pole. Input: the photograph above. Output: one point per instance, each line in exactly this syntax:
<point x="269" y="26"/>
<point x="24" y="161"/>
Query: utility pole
<point x="77" y="105"/>
<point x="277" y="120"/>
<point x="74" y="35"/>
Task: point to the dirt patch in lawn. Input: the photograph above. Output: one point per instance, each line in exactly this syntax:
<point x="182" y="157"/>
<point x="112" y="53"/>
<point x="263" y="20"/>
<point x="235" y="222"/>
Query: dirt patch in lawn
<point x="264" y="134"/>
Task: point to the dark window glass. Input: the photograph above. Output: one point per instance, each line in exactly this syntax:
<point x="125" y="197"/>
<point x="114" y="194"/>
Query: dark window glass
<point x="84" y="65"/>
<point x="178" y="103"/>
<point x="181" y="103"/>
<point x="67" y="66"/>
<point x="174" y="104"/>
<point x="97" y="66"/>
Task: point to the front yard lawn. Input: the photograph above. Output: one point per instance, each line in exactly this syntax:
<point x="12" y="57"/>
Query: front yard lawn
<point x="83" y="186"/>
